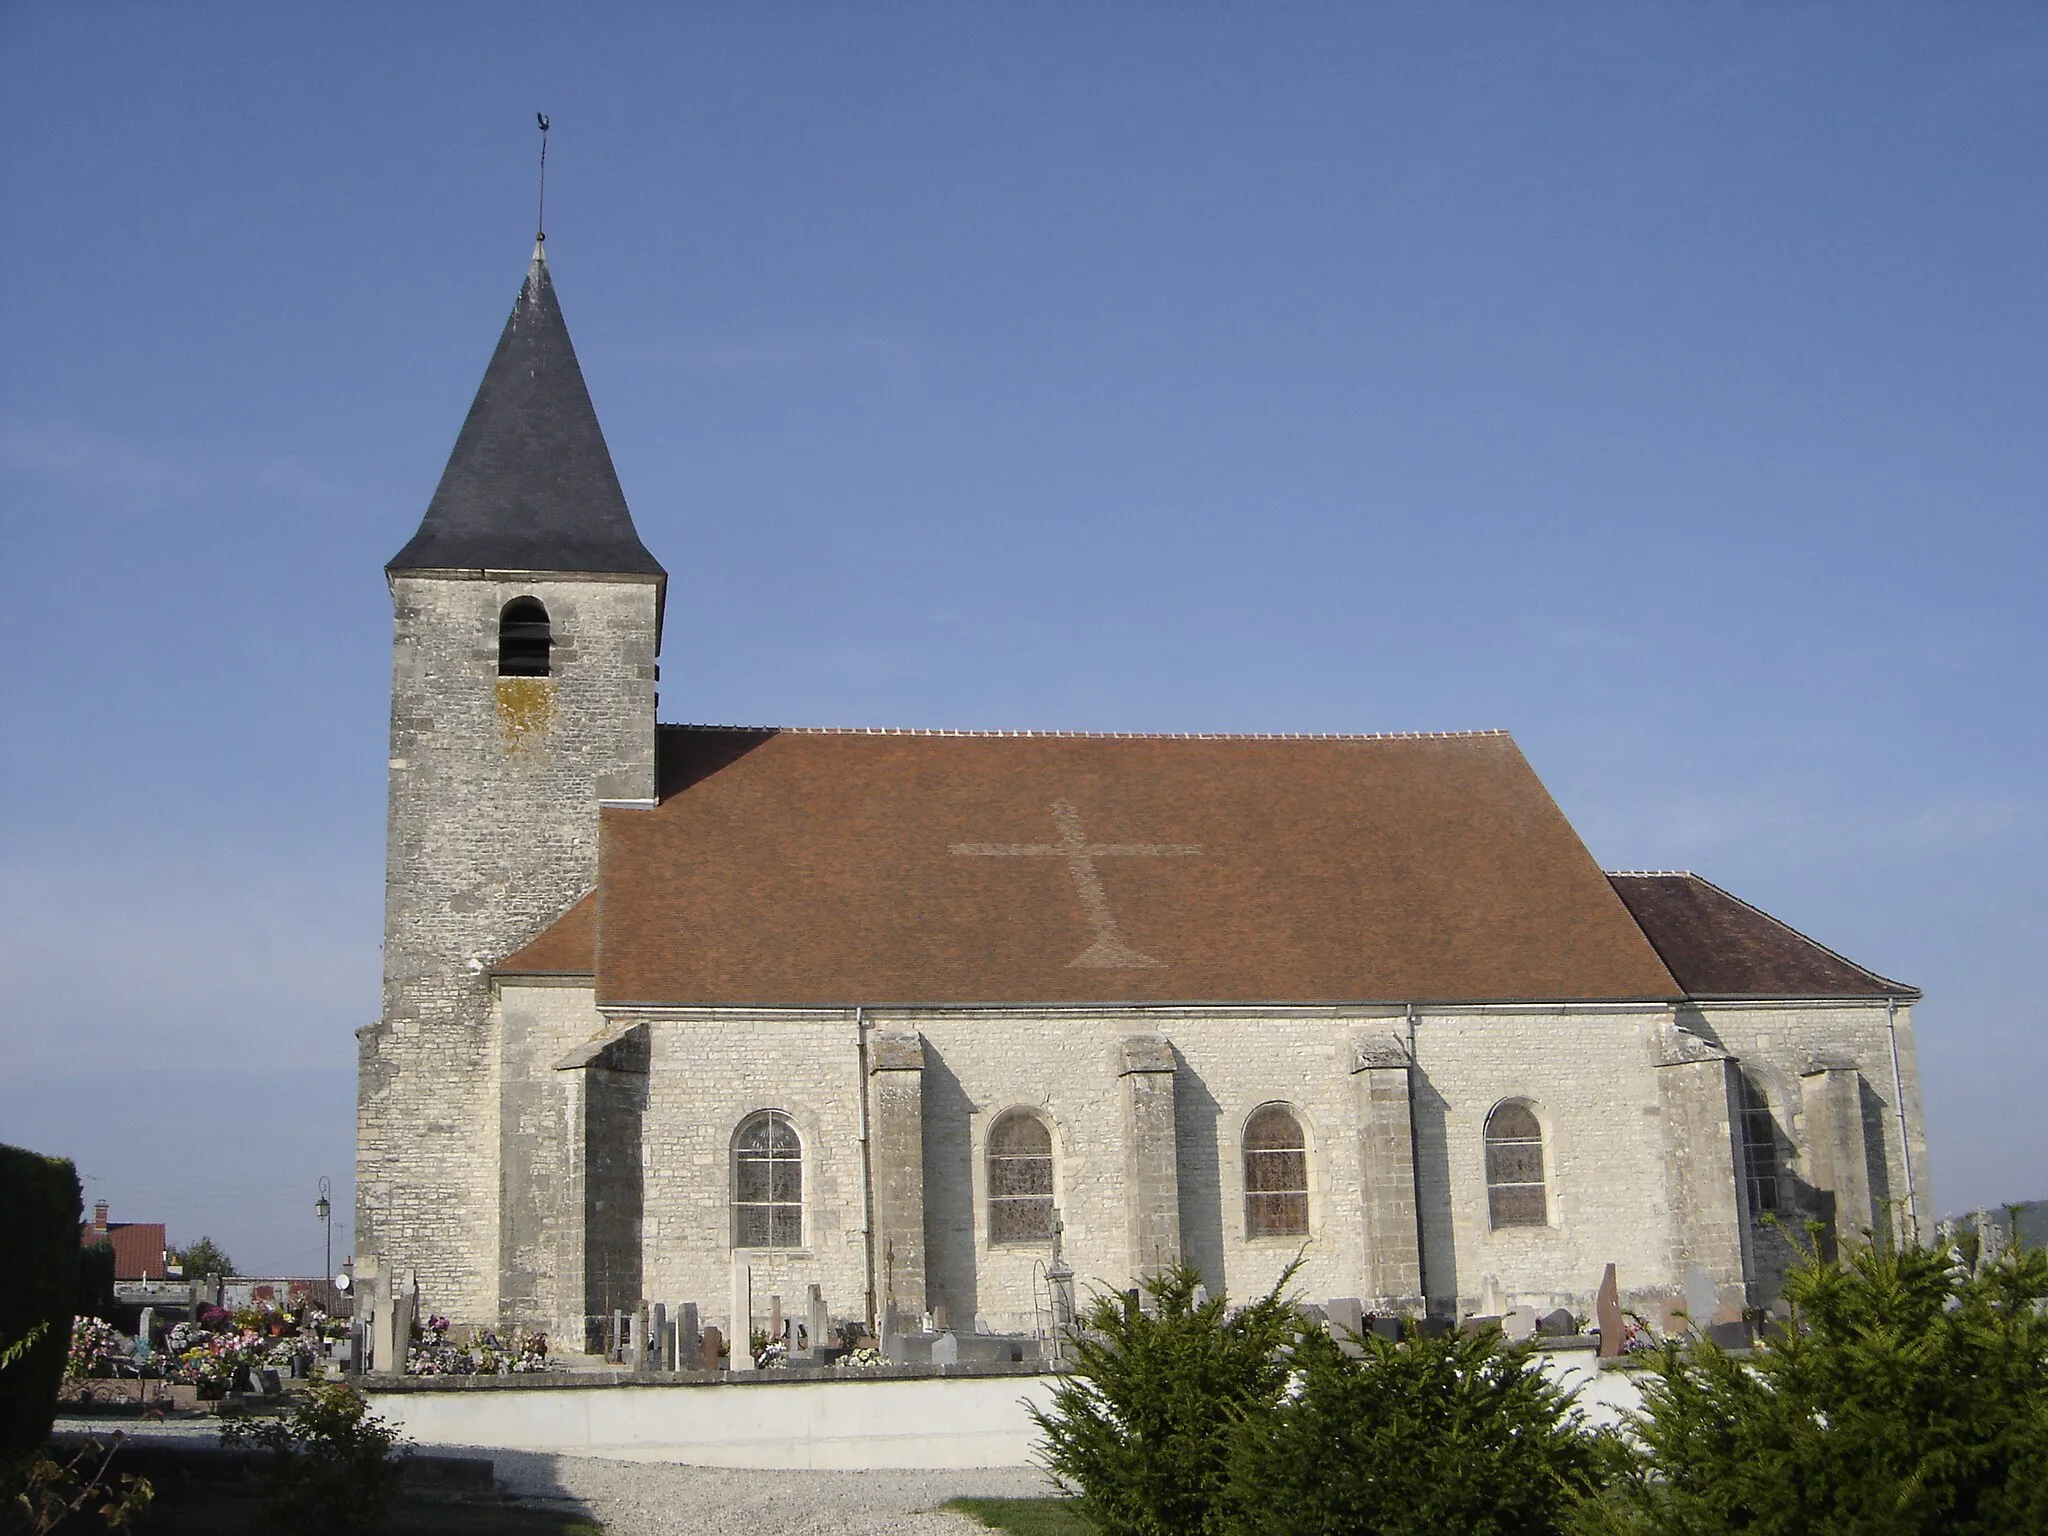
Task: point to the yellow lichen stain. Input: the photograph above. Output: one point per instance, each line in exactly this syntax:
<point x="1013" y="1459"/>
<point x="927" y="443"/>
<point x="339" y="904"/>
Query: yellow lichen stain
<point x="526" y="708"/>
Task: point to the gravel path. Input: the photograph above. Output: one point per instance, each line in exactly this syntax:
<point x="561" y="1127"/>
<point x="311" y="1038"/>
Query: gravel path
<point x="656" y="1499"/>
<point x="641" y="1498"/>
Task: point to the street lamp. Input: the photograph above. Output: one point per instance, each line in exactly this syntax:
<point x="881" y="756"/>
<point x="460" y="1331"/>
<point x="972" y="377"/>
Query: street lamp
<point x="324" y="1209"/>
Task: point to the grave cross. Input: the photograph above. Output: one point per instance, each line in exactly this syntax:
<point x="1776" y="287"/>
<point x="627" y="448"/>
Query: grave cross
<point x="1109" y="951"/>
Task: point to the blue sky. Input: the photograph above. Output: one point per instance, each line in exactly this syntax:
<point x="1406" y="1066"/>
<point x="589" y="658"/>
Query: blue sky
<point x="1663" y="383"/>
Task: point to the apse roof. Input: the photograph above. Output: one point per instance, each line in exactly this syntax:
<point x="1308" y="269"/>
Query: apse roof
<point x="530" y="485"/>
<point x="1719" y="946"/>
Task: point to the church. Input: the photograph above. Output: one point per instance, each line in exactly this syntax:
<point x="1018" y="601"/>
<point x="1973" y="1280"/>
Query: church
<point x="889" y="1012"/>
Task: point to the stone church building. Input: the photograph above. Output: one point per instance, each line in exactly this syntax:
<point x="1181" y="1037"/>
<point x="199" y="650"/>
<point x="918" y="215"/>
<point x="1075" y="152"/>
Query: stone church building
<point x="874" y="1009"/>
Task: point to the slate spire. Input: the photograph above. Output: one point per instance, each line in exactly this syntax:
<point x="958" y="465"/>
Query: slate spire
<point x="530" y="485"/>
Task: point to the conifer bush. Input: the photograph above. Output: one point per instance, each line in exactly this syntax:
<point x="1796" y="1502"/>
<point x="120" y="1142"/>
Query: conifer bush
<point x="1908" y="1396"/>
<point x="1141" y="1429"/>
<point x="1425" y="1437"/>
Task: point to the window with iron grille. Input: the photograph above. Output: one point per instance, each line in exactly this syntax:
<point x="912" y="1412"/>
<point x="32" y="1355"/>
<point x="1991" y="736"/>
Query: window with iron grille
<point x="1275" y="1174"/>
<point x="1759" y="1149"/>
<point x="767" y="1183"/>
<point x="524" y="639"/>
<point x="1020" y="1179"/>
<point x="1515" y="1193"/>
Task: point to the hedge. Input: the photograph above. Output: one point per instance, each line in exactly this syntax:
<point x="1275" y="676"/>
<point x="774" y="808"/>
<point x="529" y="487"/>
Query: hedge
<point x="39" y="1214"/>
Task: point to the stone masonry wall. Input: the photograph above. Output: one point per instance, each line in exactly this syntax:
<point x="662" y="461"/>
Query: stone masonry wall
<point x="492" y="832"/>
<point x="1634" y="1107"/>
<point x="1773" y="1044"/>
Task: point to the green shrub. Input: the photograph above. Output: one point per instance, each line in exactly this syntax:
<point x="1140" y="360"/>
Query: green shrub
<point x="1907" y="1397"/>
<point x="96" y="1281"/>
<point x="1426" y="1437"/>
<point x="1141" y="1428"/>
<point x="333" y="1472"/>
<point x="39" y="1211"/>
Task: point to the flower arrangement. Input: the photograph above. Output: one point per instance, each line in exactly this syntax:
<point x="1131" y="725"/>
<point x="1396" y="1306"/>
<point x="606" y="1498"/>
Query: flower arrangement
<point x="209" y="1351"/>
<point x="486" y="1353"/>
<point x="97" y="1349"/>
<point x="861" y="1360"/>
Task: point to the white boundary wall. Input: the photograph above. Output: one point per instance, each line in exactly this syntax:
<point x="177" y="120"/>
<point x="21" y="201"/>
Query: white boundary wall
<point x="941" y="1423"/>
<point x="935" y="1423"/>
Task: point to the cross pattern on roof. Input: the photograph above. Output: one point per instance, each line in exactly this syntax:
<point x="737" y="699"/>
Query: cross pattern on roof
<point x="1109" y="952"/>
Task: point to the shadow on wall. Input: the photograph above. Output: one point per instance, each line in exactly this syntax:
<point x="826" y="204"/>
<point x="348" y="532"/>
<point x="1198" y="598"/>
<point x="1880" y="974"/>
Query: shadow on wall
<point x="1433" y="1195"/>
<point x="1195" y="1115"/>
<point x="616" y="1084"/>
<point x="949" y="1192"/>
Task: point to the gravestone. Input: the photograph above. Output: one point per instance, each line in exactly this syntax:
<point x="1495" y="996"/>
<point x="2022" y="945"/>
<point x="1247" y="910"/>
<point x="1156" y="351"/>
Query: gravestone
<point x="1388" y="1328"/>
<point x="1345" y="1319"/>
<point x="403" y="1302"/>
<point x="1734" y="1335"/>
<point x="939" y="1318"/>
<point x="945" y="1350"/>
<point x="820" y="1325"/>
<point x="1607" y="1312"/>
<point x="1557" y="1325"/>
<point x="638" y="1359"/>
<point x="740" y="1354"/>
<point x="689" y="1342"/>
<point x="1699" y="1297"/>
<point x="1519" y="1324"/>
<point x="709" y="1348"/>
<point x="775" y="1317"/>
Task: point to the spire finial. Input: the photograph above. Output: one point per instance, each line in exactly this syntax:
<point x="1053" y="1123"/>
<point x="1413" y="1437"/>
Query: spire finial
<point x="540" y="217"/>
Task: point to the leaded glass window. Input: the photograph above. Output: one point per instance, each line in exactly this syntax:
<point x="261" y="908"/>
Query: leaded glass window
<point x="1759" y="1149"/>
<point x="1020" y="1179"/>
<point x="1515" y="1193"/>
<point x="767" y="1183"/>
<point x="1275" y="1174"/>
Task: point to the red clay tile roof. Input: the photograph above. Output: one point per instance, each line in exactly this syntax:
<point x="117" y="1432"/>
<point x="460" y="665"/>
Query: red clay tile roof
<point x="568" y="947"/>
<point x="836" y="867"/>
<point x="138" y="1247"/>
<point x="1718" y="945"/>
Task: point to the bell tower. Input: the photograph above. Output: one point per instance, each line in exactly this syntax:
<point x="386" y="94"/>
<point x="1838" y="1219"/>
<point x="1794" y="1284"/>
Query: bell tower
<point x="526" y="624"/>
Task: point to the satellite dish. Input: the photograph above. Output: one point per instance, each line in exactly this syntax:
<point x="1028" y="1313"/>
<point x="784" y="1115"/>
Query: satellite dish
<point x="342" y="1281"/>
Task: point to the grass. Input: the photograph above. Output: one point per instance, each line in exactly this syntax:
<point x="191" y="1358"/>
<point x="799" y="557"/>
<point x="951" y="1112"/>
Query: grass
<point x="1025" y="1517"/>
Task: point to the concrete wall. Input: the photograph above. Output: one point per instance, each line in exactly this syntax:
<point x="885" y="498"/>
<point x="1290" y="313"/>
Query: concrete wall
<point x="492" y="832"/>
<point x="775" y="1422"/>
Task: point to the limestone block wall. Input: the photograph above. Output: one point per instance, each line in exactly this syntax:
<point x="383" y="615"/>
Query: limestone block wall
<point x="1775" y="1044"/>
<point x="1637" y="1102"/>
<point x="707" y="1071"/>
<point x="543" y="1130"/>
<point x="1069" y="1066"/>
<point x="1590" y="1074"/>
<point x="492" y="832"/>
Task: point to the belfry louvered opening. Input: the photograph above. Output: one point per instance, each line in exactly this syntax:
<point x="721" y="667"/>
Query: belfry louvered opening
<point x="524" y="639"/>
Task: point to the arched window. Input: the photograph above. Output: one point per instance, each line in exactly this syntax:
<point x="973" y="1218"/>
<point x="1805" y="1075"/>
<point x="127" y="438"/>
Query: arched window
<point x="1759" y="1135"/>
<point x="1019" y="1179"/>
<point x="767" y="1183"/>
<point x="1275" y="1174"/>
<point x="524" y="639"/>
<point x="1515" y="1195"/>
